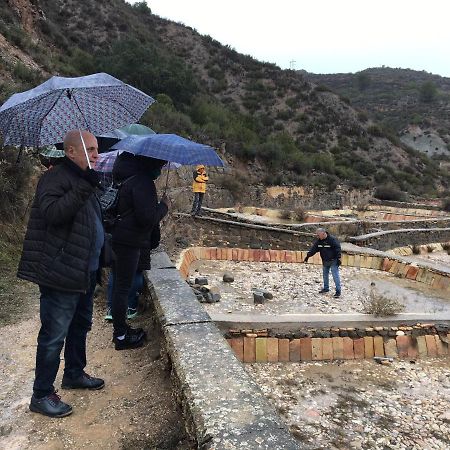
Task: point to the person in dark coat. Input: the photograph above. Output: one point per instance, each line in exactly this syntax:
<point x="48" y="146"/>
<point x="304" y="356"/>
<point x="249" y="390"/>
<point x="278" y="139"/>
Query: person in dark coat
<point x="138" y="280"/>
<point x="139" y="212"/>
<point x="330" y="252"/>
<point x="61" y="254"/>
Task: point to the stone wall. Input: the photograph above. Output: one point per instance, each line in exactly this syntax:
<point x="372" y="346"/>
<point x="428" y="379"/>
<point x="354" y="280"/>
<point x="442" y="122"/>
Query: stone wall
<point x="225" y="233"/>
<point x="256" y="346"/>
<point x="386" y="240"/>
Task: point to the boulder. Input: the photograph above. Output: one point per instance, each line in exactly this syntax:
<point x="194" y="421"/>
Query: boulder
<point x="228" y="277"/>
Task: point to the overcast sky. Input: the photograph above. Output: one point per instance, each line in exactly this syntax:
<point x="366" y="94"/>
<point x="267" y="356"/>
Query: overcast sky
<point x="324" y="36"/>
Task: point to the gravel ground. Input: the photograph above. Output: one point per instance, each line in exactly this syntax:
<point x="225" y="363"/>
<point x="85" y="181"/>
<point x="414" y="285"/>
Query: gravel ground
<point x="442" y="258"/>
<point x="362" y="405"/>
<point x="295" y="288"/>
<point x="135" y="410"/>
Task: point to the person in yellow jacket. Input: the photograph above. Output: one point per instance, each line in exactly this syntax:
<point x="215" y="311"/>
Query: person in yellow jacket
<point x="199" y="188"/>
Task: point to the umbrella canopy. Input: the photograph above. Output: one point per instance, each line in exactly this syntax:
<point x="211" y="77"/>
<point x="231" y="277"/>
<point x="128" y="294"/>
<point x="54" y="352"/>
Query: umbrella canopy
<point x="170" y="147"/>
<point x="105" y="162"/>
<point x="43" y="115"/>
<point x="128" y="130"/>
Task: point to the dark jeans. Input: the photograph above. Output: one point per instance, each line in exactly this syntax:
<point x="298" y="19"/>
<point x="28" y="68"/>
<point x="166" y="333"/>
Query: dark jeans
<point x="125" y="262"/>
<point x="65" y="317"/>
<point x="197" y="205"/>
<point x="136" y="288"/>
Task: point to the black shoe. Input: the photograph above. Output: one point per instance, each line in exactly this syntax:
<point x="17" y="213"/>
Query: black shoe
<point x="51" y="406"/>
<point x="324" y="291"/>
<point x="85" y="381"/>
<point x="137" y="332"/>
<point x="130" y="340"/>
<point x="337" y="295"/>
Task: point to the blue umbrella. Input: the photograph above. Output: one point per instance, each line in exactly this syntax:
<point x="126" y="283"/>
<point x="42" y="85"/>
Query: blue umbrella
<point x="170" y="147"/>
<point x="43" y="115"/>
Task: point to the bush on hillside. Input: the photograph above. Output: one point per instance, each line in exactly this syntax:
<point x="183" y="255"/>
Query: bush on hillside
<point x="389" y="192"/>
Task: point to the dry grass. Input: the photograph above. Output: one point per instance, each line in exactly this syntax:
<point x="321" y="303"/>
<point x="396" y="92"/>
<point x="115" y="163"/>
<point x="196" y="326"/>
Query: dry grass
<point x="379" y="305"/>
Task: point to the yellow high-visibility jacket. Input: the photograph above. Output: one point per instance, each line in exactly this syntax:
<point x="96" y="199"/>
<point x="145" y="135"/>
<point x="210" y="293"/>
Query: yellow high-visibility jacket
<point x="199" y="183"/>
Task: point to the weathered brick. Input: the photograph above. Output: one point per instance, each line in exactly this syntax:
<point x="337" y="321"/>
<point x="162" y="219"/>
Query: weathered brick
<point x="431" y="345"/>
<point x="376" y="263"/>
<point x="412" y="273"/>
<point x="442" y="348"/>
<point x="390" y="348"/>
<point x="249" y="349"/>
<point x="235" y="254"/>
<point x="272" y="349"/>
<point x="348" y="348"/>
<point x="265" y="256"/>
<point x="357" y="260"/>
<point x="283" y="350"/>
<point x="327" y="349"/>
<point x="351" y="260"/>
<point x="299" y="257"/>
<point x="305" y="349"/>
<point x="358" y="348"/>
<point x="368" y="347"/>
<point x="386" y="264"/>
<point x="294" y="350"/>
<point x="344" y="259"/>
<point x="316" y="347"/>
<point x="394" y="266"/>
<point x="338" y="348"/>
<point x="421" y="346"/>
<point x="261" y="349"/>
<point x="246" y="254"/>
<point x="378" y="346"/>
<point x="237" y="344"/>
<point x="273" y="255"/>
<point x="403" y="344"/>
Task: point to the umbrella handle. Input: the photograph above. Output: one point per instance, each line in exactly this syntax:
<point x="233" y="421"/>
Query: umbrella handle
<point x="85" y="151"/>
<point x="167" y="181"/>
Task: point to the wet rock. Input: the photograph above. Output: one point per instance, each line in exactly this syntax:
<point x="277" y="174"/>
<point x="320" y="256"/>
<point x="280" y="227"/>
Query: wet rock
<point x="228" y="277"/>
<point x="201" y="281"/>
<point x="182" y="242"/>
<point x="268" y="295"/>
<point x="258" y="298"/>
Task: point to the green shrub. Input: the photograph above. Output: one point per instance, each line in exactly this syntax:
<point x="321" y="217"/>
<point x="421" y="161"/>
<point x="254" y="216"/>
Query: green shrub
<point x="389" y="192"/>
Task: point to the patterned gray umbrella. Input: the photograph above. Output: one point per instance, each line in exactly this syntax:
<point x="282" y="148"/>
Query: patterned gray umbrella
<point x="44" y="114"/>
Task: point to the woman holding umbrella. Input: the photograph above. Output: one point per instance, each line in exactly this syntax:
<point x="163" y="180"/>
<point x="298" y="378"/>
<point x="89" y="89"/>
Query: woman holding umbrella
<point x="139" y="213"/>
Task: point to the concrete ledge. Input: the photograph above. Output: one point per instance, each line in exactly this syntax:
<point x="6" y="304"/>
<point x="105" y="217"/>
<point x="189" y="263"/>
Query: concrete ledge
<point x="227" y="409"/>
<point x="292" y="322"/>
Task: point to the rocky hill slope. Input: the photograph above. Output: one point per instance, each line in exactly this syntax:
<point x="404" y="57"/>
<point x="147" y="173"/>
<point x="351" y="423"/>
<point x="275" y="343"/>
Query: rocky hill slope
<point x="272" y="125"/>
<point x="413" y="104"/>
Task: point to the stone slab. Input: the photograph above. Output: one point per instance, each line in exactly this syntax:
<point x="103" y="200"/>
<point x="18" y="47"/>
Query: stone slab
<point x="160" y="260"/>
<point x="176" y="303"/>
<point x="283" y="350"/>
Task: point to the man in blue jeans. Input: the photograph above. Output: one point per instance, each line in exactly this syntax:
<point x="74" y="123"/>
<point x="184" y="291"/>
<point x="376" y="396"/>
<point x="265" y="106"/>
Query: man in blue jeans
<point x="61" y="254"/>
<point x="330" y="252"/>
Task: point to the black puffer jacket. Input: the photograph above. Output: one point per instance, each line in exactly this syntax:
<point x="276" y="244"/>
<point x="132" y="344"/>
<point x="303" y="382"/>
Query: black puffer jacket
<point x="61" y="230"/>
<point x="329" y="248"/>
<point x="138" y="207"/>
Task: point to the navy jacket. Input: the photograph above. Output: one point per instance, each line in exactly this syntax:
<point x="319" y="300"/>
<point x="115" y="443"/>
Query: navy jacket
<point x="329" y="249"/>
<point x="61" y="230"/>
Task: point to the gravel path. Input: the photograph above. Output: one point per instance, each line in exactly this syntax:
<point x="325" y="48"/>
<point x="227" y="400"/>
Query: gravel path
<point x="295" y="288"/>
<point x="362" y="405"/>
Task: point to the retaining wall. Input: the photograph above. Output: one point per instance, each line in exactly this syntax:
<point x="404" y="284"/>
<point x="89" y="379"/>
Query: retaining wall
<point x="385" y="240"/>
<point x="224" y="407"/>
<point x="363" y="258"/>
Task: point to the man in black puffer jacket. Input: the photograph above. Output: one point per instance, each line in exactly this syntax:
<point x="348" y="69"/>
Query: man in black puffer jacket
<point x="139" y="212"/>
<point x="330" y="252"/>
<point x="61" y="253"/>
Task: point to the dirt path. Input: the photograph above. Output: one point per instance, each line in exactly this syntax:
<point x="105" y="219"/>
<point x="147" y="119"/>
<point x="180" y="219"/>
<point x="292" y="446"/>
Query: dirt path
<point x="135" y="410"/>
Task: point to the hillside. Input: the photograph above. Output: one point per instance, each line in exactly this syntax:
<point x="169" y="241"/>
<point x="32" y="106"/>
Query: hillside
<point x="413" y="104"/>
<point x="274" y="125"/>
